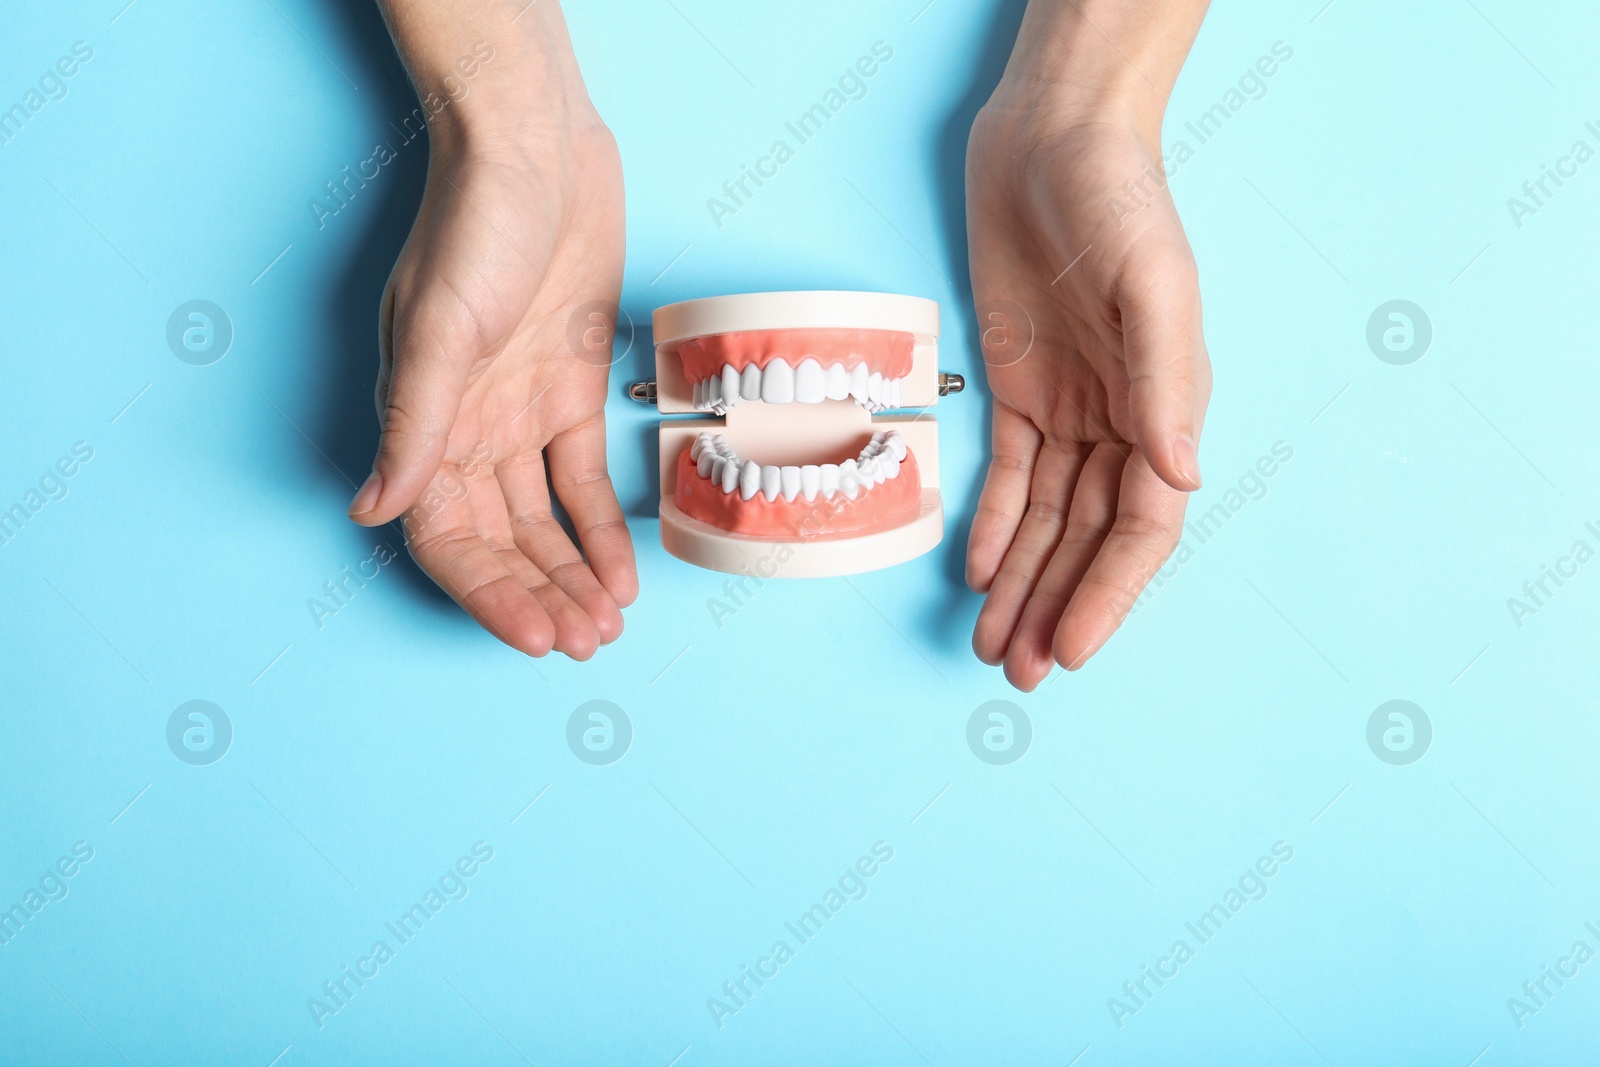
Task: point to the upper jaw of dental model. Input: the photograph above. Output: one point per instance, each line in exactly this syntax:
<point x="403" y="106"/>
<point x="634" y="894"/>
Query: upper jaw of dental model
<point x="801" y="365"/>
<point x="808" y="383"/>
<point x="879" y="462"/>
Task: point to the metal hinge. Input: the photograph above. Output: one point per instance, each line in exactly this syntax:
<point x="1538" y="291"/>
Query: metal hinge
<point x="645" y="392"/>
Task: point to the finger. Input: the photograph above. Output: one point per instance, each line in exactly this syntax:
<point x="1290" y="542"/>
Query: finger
<point x="444" y="541"/>
<point x="576" y="634"/>
<point x="432" y="344"/>
<point x="1167" y="366"/>
<point x="542" y="540"/>
<point x="577" y="459"/>
<point x="1148" y="524"/>
<point x="1055" y="475"/>
<point x="1094" y="506"/>
<point x="1004" y="499"/>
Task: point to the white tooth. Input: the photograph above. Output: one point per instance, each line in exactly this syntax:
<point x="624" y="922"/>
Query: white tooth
<point x="810" y="382"/>
<point x="750" y="383"/>
<point x="730" y="385"/>
<point x="838" y="381"/>
<point x="714" y="389"/>
<point x="706" y="463"/>
<point x="718" y="465"/>
<point x="749" y="479"/>
<point x="698" y="447"/>
<point x="867" y="471"/>
<point x="810" y="480"/>
<point x="850" y="479"/>
<point x="829" y="481"/>
<point x="699" y="395"/>
<point x="897" y="394"/>
<point x="730" y="475"/>
<point x="897" y="446"/>
<point x="777" y="382"/>
<point x="858" y="382"/>
<point x="891" y="468"/>
<point x="875" y="388"/>
<point x="771" y="482"/>
<point x="790" y="481"/>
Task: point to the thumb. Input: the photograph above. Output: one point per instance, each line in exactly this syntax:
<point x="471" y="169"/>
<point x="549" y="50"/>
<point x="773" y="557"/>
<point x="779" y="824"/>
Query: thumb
<point x="427" y="358"/>
<point x="1168" y="372"/>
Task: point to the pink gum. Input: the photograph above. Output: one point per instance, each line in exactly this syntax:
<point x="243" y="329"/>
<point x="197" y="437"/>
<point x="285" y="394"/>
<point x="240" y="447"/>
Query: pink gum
<point x="885" y="351"/>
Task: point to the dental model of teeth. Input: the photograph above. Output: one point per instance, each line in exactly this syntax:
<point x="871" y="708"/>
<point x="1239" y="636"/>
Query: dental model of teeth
<point x="794" y="379"/>
<point x="716" y="461"/>
<point x="808" y="382"/>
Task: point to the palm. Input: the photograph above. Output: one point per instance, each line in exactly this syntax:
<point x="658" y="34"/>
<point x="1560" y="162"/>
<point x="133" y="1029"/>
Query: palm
<point x="495" y="357"/>
<point x="1093" y="355"/>
<point x="511" y="267"/>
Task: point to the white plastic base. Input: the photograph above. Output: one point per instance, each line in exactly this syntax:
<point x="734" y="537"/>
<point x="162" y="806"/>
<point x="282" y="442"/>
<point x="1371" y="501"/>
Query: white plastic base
<point x="716" y="549"/>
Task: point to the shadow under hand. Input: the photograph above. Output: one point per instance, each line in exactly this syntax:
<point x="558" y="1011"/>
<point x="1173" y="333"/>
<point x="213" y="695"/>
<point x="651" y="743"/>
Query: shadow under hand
<point x="347" y="427"/>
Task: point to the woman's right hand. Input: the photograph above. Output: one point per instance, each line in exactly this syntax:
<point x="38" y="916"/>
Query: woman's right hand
<point x="495" y="334"/>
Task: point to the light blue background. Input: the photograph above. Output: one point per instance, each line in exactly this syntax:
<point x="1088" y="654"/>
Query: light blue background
<point x="768" y="754"/>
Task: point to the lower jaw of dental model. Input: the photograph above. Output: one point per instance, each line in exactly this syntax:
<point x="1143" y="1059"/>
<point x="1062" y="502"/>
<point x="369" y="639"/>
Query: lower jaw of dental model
<point x="798" y="366"/>
<point x="877" y="490"/>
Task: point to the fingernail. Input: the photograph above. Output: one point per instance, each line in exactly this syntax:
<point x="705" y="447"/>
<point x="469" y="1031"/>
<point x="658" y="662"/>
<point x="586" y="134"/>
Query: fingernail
<point x="367" y="496"/>
<point x="1187" y="460"/>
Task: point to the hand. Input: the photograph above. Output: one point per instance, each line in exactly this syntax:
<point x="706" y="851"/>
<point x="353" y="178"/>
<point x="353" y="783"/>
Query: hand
<point x="1099" y="373"/>
<point x="480" y="385"/>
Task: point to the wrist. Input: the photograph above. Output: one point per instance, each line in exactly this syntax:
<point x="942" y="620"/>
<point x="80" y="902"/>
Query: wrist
<point x="1089" y="61"/>
<point x="486" y="81"/>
